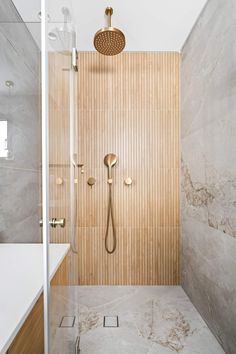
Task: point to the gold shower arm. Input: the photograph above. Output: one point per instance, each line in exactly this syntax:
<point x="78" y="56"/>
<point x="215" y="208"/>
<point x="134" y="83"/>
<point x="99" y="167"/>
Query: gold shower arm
<point x="109" y="12"/>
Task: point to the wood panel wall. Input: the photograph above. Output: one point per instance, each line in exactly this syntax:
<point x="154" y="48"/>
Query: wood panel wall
<point x="129" y="105"/>
<point x="59" y="155"/>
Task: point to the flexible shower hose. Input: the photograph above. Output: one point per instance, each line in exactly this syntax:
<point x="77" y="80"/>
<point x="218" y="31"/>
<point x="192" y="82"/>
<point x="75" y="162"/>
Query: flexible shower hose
<point x="110" y="215"/>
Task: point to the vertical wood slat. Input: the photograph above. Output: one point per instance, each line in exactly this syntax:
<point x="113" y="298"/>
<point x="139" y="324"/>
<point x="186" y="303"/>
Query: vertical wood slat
<point x="59" y="157"/>
<point x="129" y="105"/>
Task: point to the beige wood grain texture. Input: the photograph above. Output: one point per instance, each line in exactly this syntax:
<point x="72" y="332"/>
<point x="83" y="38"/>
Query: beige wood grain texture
<point x="59" y="154"/>
<point x="29" y="339"/>
<point x="62" y="275"/>
<point x="129" y="105"/>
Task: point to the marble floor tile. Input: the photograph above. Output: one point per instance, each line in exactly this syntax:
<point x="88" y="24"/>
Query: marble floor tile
<point x="152" y="319"/>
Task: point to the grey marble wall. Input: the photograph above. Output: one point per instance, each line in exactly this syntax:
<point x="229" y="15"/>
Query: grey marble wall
<point x="19" y="106"/>
<point x="209" y="169"/>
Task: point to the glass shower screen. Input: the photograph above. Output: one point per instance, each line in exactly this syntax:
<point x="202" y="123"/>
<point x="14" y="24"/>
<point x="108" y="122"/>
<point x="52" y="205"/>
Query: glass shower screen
<point x="60" y="168"/>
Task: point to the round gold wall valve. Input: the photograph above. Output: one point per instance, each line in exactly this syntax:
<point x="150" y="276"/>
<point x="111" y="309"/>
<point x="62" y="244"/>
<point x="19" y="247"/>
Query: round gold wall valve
<point x="59" y="181"/>
<point x="128" y="181"/>
<point x="91" y="181"/>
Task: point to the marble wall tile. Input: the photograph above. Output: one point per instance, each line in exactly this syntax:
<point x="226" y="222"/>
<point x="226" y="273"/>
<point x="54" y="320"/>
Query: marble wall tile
<point x="209" y="65"/>
<point x="22" y="55"/>
<point x="208" y="277"/>
<point x="22" y="115"/>
<point x="19" y="205"/>
<point x="20" y="107"/>
<point x="208" y="185"/>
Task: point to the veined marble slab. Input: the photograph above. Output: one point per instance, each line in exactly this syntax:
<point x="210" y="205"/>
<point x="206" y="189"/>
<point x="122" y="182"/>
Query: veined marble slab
<point x="152" y="319"/>
<point x="209" y="169"/>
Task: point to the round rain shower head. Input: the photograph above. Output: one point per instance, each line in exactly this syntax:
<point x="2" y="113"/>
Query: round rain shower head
<point x="109" y="40"/>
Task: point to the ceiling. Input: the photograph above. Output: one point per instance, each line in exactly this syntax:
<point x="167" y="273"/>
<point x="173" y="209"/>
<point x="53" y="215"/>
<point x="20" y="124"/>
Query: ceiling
<point x="151" y="25"/>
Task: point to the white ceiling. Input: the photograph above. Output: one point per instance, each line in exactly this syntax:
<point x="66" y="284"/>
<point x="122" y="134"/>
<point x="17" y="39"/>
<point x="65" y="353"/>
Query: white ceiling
<point x="150" y="25"/>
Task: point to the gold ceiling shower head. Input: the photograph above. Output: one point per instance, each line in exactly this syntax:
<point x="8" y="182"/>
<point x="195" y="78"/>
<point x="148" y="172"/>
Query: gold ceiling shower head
<point x="109" y="40"/>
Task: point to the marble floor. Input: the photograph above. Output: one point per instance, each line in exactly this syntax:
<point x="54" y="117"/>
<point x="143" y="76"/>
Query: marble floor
<point x="152" y="319"/>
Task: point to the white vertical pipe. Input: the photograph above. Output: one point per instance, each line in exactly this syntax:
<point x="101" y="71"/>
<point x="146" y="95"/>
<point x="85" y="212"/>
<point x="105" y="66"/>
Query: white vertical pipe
<point x="73" y="161"/>
<point x="73" y="164"/>
<point x="45" y="189"/>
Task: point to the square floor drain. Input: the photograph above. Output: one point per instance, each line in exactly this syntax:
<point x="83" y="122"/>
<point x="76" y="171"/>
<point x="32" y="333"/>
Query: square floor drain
<point x="110" y="321"/>
<point x="67" y="322"/>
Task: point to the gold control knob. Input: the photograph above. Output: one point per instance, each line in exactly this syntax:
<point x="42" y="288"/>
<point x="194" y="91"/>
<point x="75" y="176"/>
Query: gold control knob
<point x="91" y="181"/>
<point x="59" y="180"/>
<point x="128" y="181"/>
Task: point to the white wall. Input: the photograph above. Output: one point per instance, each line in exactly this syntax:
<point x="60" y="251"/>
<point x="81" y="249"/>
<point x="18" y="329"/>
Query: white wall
<point x="151" y="25"/>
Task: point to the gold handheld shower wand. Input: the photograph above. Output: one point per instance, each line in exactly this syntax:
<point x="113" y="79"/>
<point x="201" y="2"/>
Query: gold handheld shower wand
<point x="109" y="13"/>
<point x="110" y="160"/>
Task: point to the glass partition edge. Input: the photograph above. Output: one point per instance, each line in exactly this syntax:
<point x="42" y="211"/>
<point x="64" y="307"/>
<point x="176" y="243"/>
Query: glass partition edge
<point x="45" y="186"/>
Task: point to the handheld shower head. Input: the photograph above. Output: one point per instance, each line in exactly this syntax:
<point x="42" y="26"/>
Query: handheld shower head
<point x="109" y="40"/>
<point x="110" y="160"/>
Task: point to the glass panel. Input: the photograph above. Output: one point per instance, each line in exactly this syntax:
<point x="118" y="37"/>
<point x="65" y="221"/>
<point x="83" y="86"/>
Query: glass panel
<point x="20" y="171"/>
<point x="20" y="135"/>
<point x="61" y="175"/>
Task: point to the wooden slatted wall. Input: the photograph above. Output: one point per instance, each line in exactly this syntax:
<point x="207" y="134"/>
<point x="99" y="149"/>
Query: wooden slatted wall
<point x="129" y="105"/>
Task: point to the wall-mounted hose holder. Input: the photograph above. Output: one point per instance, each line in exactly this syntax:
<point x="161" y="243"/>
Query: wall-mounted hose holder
<point x="110" y="160"/>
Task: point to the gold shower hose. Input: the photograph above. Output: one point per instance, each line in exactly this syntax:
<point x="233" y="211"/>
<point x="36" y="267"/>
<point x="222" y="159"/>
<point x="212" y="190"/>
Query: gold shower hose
<point x="110" y="214"/>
